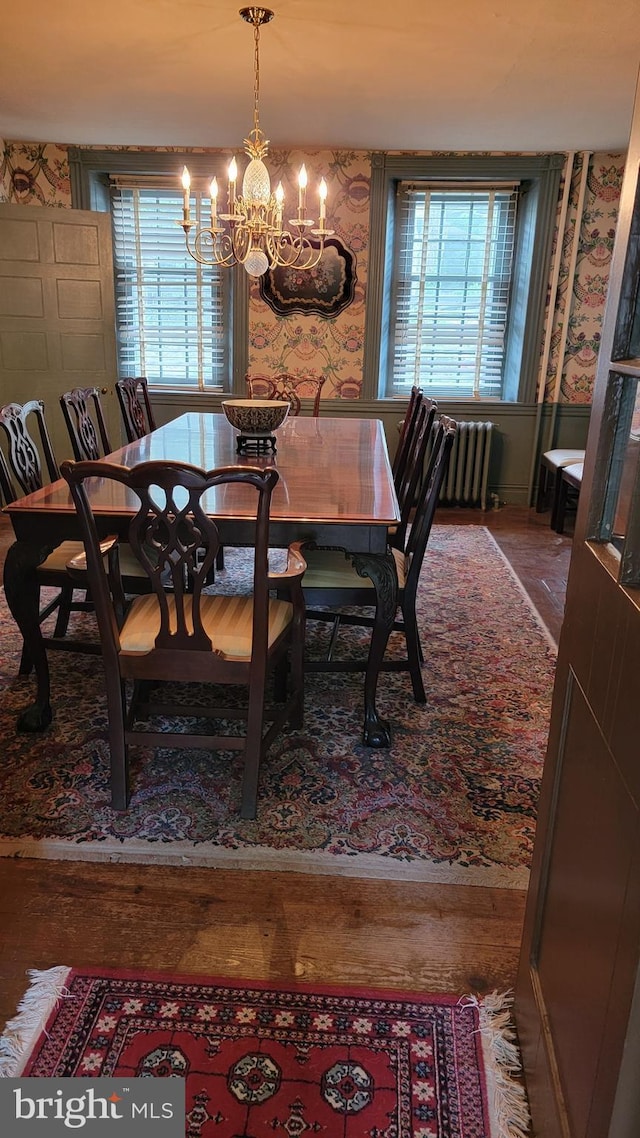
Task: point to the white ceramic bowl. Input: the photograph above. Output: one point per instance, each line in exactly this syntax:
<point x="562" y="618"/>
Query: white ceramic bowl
<point x="256" y="417"/>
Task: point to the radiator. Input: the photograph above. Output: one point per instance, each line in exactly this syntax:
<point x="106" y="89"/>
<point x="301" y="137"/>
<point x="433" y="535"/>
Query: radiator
<point x="465" y="483"/>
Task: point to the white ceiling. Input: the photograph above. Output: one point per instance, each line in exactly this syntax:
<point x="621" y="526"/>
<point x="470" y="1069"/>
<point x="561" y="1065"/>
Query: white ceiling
<point x="430" y="75"/>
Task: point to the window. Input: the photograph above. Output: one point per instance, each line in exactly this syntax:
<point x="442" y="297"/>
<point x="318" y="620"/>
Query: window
<point x="182" y="325"/>
<point x="171" y="312"/>
<point x="459" y="262"/>
<point x="454" y="256"/>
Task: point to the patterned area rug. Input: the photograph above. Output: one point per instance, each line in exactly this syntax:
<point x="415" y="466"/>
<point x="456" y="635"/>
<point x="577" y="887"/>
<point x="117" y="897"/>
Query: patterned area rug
<point x="282" y="1059"/>
<point x="453" y="800"/>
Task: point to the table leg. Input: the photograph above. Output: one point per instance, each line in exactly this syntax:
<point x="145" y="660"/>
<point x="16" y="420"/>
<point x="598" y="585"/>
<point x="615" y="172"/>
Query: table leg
<point x="23" y="598"/>
<point x="381" y="569"/>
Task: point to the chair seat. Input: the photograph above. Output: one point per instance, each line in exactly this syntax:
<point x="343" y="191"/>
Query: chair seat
<point x="58" y="560"/>
<point x="573" y="471"/>
<point x="556" y="459"/>
<point x="331" y="569"/>
<point x="129" y="565"/>
<point x="73" y="551"/>
<point x="228" y="622"/>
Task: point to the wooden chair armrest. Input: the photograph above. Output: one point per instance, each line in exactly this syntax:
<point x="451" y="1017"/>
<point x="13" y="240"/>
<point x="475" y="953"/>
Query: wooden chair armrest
<point x="78" y="564"/>
<point x="296" y="566"/>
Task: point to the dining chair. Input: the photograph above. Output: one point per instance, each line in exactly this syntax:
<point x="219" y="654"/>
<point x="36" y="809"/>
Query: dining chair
<point x="407" y="486"/>
<point x="137" y="413"/>
<point x="332" y="579"/>
<point x="65" y="567"/>
<point x="552" y="463"/>
<point x="23" y="468"/>
<point x="84" y="417"/>
<point x="178" y="636"/>
<point x="569" y="493"/>
<point x="284" y="386"/>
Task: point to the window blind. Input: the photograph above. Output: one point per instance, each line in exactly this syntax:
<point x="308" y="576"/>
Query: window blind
<point x="170" y="311"/>
<point x="454" y="256"/>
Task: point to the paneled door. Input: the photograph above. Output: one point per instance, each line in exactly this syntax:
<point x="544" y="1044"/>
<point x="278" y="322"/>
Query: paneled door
<point x="578" y="993"/>
<point x="57" y="311"/>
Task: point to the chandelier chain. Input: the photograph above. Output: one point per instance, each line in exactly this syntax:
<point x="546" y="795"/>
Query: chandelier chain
<point x="256" y="81"/>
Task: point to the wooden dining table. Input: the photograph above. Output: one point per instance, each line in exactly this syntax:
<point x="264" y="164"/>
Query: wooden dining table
<point x="335" y="490"/>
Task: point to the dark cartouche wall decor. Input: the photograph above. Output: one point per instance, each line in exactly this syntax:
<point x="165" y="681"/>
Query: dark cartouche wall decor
<point x="325" y="290"/>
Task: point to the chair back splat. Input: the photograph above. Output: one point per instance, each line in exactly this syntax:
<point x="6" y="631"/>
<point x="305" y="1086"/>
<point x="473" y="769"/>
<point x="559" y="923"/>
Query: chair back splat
<point x="88" y="434"/>
<point x="23" y="456"/>
<point x="187" y="635"/>
<point x="137" y="413"/>
<point x="289" y="388"/>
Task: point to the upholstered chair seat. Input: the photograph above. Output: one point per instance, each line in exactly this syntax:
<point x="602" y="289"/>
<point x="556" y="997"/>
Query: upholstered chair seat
<point x="227" y="621"/>
<point x="332" y="569"/>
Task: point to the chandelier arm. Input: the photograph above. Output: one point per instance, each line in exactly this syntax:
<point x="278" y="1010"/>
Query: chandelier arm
<point x="241" y="239"/>
<point x="210" y="250"/>
<point x="288" y="251"/>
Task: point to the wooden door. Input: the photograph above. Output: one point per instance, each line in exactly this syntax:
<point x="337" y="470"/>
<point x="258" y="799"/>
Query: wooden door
<point x="57" y="311"/>
<point x="578" y="1019"/>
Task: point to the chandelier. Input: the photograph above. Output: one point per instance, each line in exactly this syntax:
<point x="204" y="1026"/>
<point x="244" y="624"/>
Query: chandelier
<point x="251" y="232"/>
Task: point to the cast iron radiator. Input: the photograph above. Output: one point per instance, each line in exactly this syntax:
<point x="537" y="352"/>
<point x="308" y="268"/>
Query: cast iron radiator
<point x="466" y="480"/>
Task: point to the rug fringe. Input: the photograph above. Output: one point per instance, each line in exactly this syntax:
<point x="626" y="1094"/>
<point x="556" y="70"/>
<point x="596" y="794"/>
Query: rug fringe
<point x="507" y="1095"/>
<point x="46" y="989"/>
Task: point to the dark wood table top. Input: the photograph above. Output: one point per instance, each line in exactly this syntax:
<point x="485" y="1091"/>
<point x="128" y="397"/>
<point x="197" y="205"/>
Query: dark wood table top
<point x="335" y="481"/>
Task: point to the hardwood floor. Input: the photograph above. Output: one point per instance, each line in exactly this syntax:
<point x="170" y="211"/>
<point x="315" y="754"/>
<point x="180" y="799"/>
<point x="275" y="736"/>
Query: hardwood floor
<point x="280" y="925"/>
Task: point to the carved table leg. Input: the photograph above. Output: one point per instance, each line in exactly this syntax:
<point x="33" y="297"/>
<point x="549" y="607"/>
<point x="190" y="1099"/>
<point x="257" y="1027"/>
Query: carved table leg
<point x="381" y="569"/>
<point x="23" y="598"/>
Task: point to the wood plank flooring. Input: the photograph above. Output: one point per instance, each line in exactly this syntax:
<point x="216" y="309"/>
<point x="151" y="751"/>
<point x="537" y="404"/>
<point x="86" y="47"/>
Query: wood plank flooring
<point x="288" y="926"/>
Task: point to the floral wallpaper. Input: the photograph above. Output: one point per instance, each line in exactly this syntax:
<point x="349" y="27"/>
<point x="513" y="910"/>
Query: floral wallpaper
<point x="38" y="174"/>
<point x="35" y="173"/>
<point x="581" y="301"/>
<point x="306" y="344"/>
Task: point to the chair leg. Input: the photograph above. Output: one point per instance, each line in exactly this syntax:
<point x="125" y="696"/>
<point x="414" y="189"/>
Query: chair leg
<point x="64" y="611"/>
<point x="119" y="751"/>
<point x="334" y="637"/>
<point x="414" y="655"/>
<point x="252" y="751"/>
<point x="541" y="497"/>
<point x="296" y="717"/>
<point x="280" y="678"/>
<point x="560" y="504"/>
<point x="558" y="501"/>
<point x="220" y="558"/>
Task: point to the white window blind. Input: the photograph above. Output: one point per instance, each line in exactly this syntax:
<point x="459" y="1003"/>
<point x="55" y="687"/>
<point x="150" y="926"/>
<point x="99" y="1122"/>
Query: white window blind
<point x="454" y="257"/>
<point x="171" y="312"/>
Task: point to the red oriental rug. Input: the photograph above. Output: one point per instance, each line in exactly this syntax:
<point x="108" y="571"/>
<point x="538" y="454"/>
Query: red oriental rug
<point x="281" y="1059"/>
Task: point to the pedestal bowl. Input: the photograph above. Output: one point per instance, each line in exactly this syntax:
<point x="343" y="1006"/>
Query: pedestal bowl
<point x="255" y="418"/>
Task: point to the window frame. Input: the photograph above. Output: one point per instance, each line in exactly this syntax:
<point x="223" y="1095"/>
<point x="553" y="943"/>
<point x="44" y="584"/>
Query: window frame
<point x="539" y="176"/>
<point x="416" y="198"/>
<point x="90" y="171"/>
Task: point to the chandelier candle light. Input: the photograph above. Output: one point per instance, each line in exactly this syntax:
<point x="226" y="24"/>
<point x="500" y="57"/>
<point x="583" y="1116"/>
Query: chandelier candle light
<point x="250" y="233"/>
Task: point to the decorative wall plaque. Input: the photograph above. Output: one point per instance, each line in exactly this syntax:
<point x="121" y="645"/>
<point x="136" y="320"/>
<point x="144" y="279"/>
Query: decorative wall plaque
<point x="325" y="290"/>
